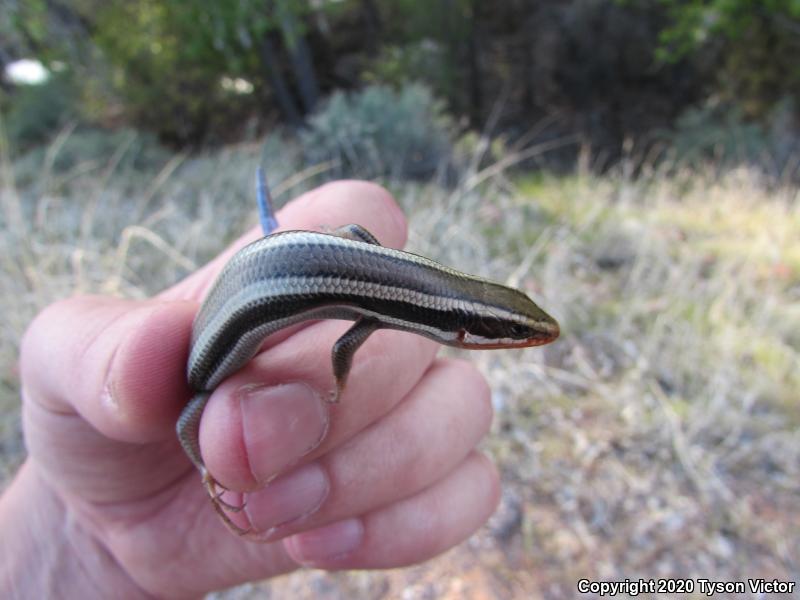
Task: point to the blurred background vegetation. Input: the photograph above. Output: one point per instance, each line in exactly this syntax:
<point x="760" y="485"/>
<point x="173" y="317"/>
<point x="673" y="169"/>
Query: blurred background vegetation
<point x="630" y="164"/>
<point x="701" y="77"/>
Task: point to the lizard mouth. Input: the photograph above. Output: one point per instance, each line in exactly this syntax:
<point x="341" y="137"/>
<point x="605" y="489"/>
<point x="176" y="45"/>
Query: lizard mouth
<point x="476" y="342"/>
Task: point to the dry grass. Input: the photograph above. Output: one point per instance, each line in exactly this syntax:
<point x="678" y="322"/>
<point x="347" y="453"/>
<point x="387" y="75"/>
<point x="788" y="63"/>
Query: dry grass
<point x="660" y="437"/>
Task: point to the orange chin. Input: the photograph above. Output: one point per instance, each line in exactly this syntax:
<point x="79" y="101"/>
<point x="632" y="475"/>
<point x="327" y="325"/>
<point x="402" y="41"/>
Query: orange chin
<point x="529" y="343"/>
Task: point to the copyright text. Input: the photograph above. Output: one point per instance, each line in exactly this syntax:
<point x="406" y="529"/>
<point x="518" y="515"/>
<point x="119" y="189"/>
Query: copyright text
<point x="707" y="587"/>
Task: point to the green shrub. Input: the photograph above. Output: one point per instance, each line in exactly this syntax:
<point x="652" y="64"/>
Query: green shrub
<point x="379" y="131"/>
<point x="36" y="112"/>
<point x="720" y="134"/>
<point x="93" y="148"/>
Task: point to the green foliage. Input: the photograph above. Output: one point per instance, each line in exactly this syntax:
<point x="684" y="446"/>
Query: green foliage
<point x="166" y="72"/>
<point x="753" y="44"/>
<point x="427" y="42"/>
<point x="379" y="131"/>
<point x="24" y="25"/>
<point x="694" y="22"/>
<point x="603" y="70"/>
<point x="159" y="65"/>
<point x="424" y="61"/>
<point x="36" y="112"/>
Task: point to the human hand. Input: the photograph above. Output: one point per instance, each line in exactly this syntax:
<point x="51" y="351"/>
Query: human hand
<point x="108" y="502"/>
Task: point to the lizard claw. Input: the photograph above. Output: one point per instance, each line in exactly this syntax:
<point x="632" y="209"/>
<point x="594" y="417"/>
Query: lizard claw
<point x="215" y="491"/>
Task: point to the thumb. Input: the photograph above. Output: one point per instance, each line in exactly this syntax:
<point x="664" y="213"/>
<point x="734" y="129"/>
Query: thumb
<point x="119" y="364"/>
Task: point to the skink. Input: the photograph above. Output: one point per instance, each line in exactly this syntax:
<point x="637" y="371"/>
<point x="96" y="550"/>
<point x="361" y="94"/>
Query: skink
<point x="294" y="276"/>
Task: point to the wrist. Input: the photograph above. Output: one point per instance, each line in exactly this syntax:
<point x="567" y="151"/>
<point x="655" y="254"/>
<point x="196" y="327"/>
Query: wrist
<point x="47" y="552"/>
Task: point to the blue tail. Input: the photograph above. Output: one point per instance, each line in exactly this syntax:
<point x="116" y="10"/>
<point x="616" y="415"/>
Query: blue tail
<point x="266" y="214"/>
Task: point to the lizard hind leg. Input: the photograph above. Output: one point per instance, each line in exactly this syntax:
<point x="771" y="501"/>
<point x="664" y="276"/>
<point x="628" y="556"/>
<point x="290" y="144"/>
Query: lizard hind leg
<point x="215" y="491"/>
<point x="188" y="429"/>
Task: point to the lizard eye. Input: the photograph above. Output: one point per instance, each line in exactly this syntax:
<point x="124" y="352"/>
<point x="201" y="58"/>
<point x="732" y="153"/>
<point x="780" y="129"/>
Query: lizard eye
<point x="518" y="330"/>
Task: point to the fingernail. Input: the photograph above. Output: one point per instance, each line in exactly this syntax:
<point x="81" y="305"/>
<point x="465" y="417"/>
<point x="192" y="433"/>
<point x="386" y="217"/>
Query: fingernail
<point x="326" y="543"/>
<point x="287" y="498"/>
<point x="281" y="424"/>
